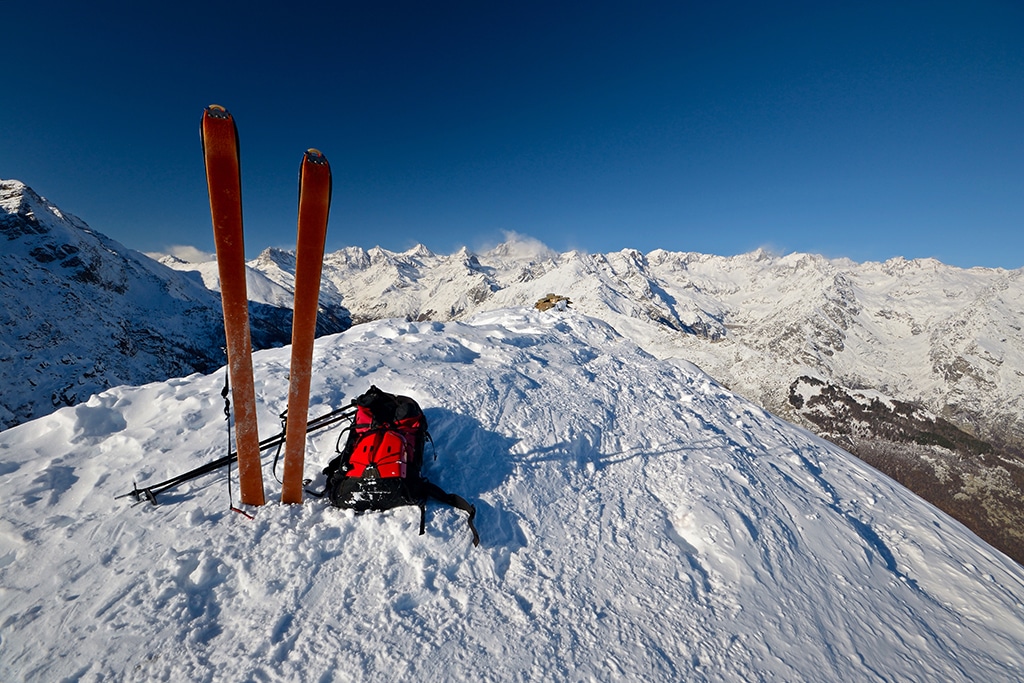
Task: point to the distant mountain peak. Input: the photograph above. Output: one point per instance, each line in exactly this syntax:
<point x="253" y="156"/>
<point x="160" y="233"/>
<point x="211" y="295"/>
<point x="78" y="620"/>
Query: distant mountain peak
<point x="419" y="251"/>
<point x="281" y="258"/>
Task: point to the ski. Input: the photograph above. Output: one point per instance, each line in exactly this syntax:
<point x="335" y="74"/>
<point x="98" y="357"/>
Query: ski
<point x="314" y="206"/>
<point x="223" y="178"/>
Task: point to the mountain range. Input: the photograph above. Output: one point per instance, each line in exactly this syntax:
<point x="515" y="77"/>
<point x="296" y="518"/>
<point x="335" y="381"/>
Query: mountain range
<point x="915" y="366"/>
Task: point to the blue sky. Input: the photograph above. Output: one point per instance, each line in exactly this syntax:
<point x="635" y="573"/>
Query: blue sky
<point x="859" y="129"/>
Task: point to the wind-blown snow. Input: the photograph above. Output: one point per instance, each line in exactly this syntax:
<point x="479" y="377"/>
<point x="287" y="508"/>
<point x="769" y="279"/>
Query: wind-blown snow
<point x="638" y="522"/>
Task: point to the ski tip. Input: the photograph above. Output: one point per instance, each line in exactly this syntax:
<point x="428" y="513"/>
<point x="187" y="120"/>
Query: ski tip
<point x="218" y="112"/>
<point x="315" y="156"/>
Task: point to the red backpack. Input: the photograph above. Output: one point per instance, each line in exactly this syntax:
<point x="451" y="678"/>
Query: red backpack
<point x="387" y="438"/>
<point x="379" y="467"/>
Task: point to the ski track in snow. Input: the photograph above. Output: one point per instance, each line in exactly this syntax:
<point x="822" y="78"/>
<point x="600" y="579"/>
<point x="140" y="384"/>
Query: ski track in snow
<point x="638" y="522"/>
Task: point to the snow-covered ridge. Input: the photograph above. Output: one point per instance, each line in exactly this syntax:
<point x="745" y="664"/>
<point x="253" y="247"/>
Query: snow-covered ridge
<point x="79" y="312"/>
<point x="639" y="522"/>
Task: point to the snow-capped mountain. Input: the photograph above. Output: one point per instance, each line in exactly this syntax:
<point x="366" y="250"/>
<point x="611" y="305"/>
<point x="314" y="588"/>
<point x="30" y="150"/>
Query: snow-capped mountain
<point x="80" y="313"/>
<point x="942" y="338"/>
<point x="947" y="338"/>
<point x="638" y="522"/>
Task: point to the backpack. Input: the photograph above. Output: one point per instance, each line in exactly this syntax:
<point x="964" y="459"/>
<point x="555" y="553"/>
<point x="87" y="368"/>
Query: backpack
<point x="379" y="467"/>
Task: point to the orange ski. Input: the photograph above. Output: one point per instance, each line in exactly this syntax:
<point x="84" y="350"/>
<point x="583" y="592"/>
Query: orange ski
<point x="223" y="177"/>
<point x="314" y="206"/>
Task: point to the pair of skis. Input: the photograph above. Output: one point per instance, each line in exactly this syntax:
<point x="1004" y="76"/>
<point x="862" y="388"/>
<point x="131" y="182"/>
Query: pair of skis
<point x="223" y="177"/>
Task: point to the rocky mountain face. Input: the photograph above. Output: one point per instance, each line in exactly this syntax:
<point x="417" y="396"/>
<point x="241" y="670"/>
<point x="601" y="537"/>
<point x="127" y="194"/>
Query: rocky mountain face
<point x="923" y="338"/>
<point x="967" y="477"/>
<point x="80" y="313"/>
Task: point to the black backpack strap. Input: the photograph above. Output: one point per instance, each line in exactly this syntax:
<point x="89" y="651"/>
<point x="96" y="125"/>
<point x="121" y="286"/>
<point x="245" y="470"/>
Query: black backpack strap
<point x="432" y="490"/>
<point x="280" y="444"/>
<point x="317" y="494"/>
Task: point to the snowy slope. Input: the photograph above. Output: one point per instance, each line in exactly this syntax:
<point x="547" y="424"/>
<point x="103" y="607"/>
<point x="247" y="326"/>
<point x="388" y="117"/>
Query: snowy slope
<point x="921" y="331"/>
<point x="80" y="312"/>
<point x="639" y="522"/>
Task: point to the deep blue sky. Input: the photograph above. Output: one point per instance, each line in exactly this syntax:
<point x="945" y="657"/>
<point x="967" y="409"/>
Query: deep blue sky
<point x="860" y="129"/>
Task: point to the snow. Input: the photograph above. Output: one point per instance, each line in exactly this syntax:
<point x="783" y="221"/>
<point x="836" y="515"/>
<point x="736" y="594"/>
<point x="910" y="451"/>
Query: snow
<point x="638" y="522"/>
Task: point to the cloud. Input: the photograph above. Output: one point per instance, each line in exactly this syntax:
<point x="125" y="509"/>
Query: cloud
<point x="520" y="246"/>
<point x="185" y="253"/>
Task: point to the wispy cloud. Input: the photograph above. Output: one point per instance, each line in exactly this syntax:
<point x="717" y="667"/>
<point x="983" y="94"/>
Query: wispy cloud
<point x="185" y="253"/>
